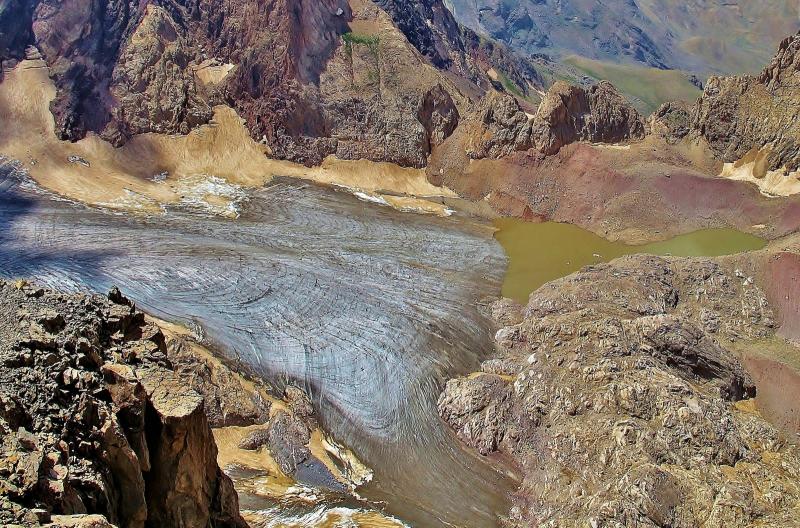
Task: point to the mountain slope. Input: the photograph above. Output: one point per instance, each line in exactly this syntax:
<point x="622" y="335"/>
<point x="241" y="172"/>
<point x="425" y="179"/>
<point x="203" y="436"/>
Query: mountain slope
<point x="383" y="80"/>
<point x="700" y="36"/>
<point x="631" y="43"/>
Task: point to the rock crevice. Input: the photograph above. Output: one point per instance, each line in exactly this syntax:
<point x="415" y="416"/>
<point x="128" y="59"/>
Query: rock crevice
<point x="107" y="432"/>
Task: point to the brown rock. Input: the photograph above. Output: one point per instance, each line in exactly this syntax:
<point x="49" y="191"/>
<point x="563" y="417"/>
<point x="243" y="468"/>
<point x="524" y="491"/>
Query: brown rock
<point x="153" y="82"/>
<point x="740" y="115"/>
<point x="504" y="127"/>
<point x="107" y="429"/>
<point x="599" y="114"/>
<point x="229" y="399"/>
<point x="687" y="348"/>
<point x="476" y="409"/>
<point x="128" y="492"/>
<point x="131" y="399"/>
<point x="672" y="121"/>
<point x="184" y="487"/>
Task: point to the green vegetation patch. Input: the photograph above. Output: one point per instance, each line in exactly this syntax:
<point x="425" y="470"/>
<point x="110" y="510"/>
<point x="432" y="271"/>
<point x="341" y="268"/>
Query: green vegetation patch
<point x="647" y="88"/>
<point x="510" y="85"/>
<point x="514" y="89"/>
<point x="371" y="41"/>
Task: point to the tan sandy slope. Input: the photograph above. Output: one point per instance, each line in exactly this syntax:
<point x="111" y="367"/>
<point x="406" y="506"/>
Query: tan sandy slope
<point x="208" y="166"/>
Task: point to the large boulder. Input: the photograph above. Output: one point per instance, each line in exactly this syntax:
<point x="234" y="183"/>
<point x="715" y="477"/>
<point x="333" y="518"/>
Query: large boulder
<point x="599" y="114"/>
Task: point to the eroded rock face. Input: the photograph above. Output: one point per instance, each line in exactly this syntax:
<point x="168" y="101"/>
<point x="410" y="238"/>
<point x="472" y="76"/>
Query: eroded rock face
<point x="737" y="115"/>
<point x="431" y="28"/>
<point x="154" y="83"/>
<point x="615" y="393"/>
<point x="567" y="114"/>
<point x="96" y="427"/>
<point x="598" y="114"/>
<point x="80" y="42"/>
<point x="15" y="30"/>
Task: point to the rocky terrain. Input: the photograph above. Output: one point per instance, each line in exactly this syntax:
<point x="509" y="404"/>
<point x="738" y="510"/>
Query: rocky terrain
<point x="621" y="394"/>
<point x="232" y="395"/>
<point x="280" y="425"/>
<point x="617" y="392"/>
<point x="735" y="116"/>
<point x="567" y="114"/>
<point x="97" y="427"/>
<point x="756" y="115"/>
<point x="381" y="80"/>
<point x="540" y="165"/>
<point x="389" y="81"/>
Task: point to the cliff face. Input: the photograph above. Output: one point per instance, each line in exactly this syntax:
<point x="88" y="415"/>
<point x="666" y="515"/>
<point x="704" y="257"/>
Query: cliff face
<point x="737" y="115"/>
<point x="614" y="392"/>
<point x="96" y="427"/>
<point x="381" y="80"/>
<point x="123" y="69"/>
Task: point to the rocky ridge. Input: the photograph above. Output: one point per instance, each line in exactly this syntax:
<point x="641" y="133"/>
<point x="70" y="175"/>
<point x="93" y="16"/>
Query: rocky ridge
<point x="97" y="428"/>
<point x="380" y="80"/>
<point x="614" y="391"/>
<point x="738" y="116"/>
<point x="735" y="116"/>
<point x="567" y="114"/>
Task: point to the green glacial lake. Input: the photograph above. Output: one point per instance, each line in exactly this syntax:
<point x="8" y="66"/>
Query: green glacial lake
<point x="539" y="253"/>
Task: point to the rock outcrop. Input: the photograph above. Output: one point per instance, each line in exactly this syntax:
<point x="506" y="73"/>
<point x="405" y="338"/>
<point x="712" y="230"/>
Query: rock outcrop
<point x="96" y="427"/>
<point x="743" y="115"/>
<point x="382" y="80"/>
<point x="598" y="114"/>
<point x="671" y="122"/>
<point x="614" y="392"/>
<point x="287" y="436"/>
<point x="567" y="114"/>
<point x="499" y="128"/>
<point x="431" y="28"/>
<point x="229" y="398"/>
